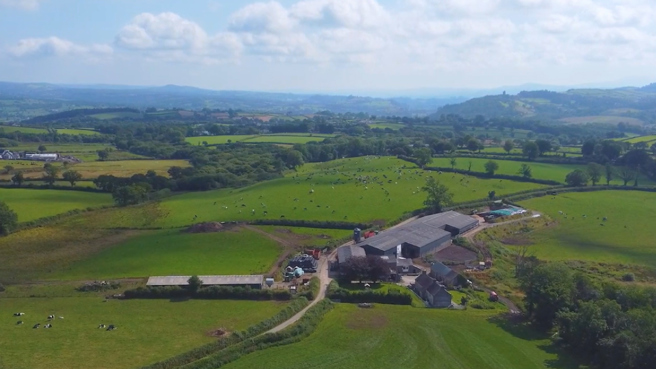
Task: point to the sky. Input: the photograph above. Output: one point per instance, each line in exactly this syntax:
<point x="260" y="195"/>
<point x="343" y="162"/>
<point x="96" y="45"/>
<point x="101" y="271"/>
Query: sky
<point x="329" y="45"/>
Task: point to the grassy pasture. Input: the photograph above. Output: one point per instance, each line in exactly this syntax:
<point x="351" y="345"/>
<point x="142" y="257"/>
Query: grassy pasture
<point x="649" y="139"/>
<point x="579" y="238"/>
<point x="65" y="131"/>
<point x="287" y="138"/>
<point x="173" y="252"/>
<point x="306" y="237"/>
<point x="34" y="204"/>
<point x="393" y="126"/>
<point x="82" y="151"/>
<point x="554" y="172"/>
<point x="339" y="194"/>
<point x="148" y="330"/>
<point x="390" y="336"/>
<point x="605" y="119"/>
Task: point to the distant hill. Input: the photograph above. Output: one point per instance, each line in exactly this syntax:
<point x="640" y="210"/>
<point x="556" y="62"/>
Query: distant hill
<point x="638" y="105"/>
<point x="55" y="98"/>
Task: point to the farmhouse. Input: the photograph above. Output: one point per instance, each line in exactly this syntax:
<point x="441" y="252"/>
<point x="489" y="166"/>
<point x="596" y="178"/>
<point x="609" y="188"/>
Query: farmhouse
<point x="8" y="155"/>
<point x="444" y="274"/>
<point x="433" y="292"/>
<point x="420" y="237"/>
<point x="252" y="281"/>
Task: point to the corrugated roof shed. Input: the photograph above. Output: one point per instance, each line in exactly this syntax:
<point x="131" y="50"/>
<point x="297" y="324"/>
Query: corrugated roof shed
<point x="440" y="269"/>
<point x="346" y="252"/>
<point x="424" y="281"/>
<point x="421" y="231"/>
<point x="208" y="280"/>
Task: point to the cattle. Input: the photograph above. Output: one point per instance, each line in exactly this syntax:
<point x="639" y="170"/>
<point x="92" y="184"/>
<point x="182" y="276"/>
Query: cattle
<point x="111" y="327"/>
<point x="48" y="325"/>
<point x="102" y="326"/>
<point x="19" y="322"/>
<point x="37" y="325"/>
<point x="19" y="314"/>
<point x="50" y="317"/>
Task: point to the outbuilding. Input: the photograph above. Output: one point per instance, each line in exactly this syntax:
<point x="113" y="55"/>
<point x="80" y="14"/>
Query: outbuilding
<point x="252" y="281"/>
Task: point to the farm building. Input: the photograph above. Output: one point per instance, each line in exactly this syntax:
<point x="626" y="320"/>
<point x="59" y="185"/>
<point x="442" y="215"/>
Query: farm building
<point x="42" y="157"/>
<point x="252" y="281"/>
<point x="305" y="262"/>
<point x="444" y="274"/>
<point x="420" y="237"/>
<point x="432" y="291"/>
<point x="344" y="253"/>
<point x="401" y="266"/>
<point x="9" y="155"/>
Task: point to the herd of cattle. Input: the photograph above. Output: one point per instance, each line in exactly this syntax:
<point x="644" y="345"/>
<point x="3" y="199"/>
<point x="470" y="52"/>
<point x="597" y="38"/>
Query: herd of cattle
<point x="110" y="327"/>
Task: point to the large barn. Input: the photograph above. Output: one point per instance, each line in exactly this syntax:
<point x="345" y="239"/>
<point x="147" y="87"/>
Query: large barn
<point x="252" y="281"/>
<point x="421" y="236"/>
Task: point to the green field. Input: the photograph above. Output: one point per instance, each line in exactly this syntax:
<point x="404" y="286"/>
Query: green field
<point x="148" y="330"/>
<point x="627" y="236"/>
<point x="9" y="129"/>
<point x="393" y="337"/>
<point x="34" y="204"/>
<point x="289" y="138"/>
<point x="648" y="139"/>
<point x="603" y="119"/>
<point x="383" y="125"/>
<point x="84" y="152"/>
<point x="347" y="199"/>
<point x="173" y="252"/>
<point x="306" y="237"/>
<point x="553" y="172"/>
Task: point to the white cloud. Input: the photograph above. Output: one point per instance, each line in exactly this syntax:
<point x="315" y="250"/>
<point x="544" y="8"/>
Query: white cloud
<point x="54" y="46"/>
<point x="339" y="13"/>
<point x="270" y="17"/>
<point x="21" y="4"/>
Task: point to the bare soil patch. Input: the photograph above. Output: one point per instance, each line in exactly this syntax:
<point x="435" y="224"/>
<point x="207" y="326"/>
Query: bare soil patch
<point x="218" y="333"/>
<point x="208" y="227"/>
<point x="367" y="319"/>
<point x="456" y="254"/>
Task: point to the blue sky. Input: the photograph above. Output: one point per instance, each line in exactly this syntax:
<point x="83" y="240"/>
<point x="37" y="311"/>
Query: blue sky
<point x="328" y="45"/>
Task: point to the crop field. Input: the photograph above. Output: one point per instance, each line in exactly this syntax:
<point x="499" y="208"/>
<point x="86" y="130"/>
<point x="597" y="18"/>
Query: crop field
<point x="626" y="237"/>
<point x="330" y="191"/>
<point x="389" y="336"/>
<point x="91" y="170"/>
<point x="648" y="139"/>
<point x="393" y="126"/>
<point x="147" y="330"/>
<point x="84" y="152"/>
<point x="34" y="204"/>
<point x="173" y="252"/>
<point x="554" y="172"/>
<point x="288" y="138"/>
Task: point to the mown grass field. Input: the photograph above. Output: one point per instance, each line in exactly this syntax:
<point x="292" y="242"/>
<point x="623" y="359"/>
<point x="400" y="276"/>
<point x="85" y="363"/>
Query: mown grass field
<point x="84" y="152"/>
<point x="339" y="194"/>
<point x="34" y="204"/>
<point x="393" y="126"/>
<point x="148" y="330"/>
<point x="648" y="139"/>
<point x="173" y="252"/>
<point x="605" y="119"/>
<point x="392" y="337"/>
<point x="554" y="172"/>
<point x="289" y="138"/>
<point x="307" y="237"/>
<point x="626" y="237"/>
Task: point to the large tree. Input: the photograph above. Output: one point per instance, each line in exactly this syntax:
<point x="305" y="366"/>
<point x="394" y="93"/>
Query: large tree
<point x="103" y="154"/>
<point x="549" y="289"/>
<point x="609" y="172"/>
<point x="491" y="167"/>
<point x="72" y="176"/>
<point x="18" y="178"/>
<point x="531" y="150"/>
<point x="525" y="171"/>
<point x="453" y="162"/>
<point x="508" y="146"/>
<point x="438" y="195"/>
<point x="544" y="146"/>
<point x="423" y="156"/>
<point x="595" y="171"/>
<point x="50" y="173"/>
<point x="626" y="174"/>
<point x="577" y="178"/>
<point x="8" y="219"/>
<point x="130" y="195"/>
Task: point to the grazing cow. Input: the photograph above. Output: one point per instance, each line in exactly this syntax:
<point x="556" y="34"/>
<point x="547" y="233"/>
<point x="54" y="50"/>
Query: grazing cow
<point x="19" y="322"/>
<point x="19" y="314"/>
<point x="61" y="317"/>
<point x="111" y="327"/>
<point x="102" y="326"/>
<point x="37" y="325"/>
<point x="48" y="325"/>
<point x="50" y="317"/>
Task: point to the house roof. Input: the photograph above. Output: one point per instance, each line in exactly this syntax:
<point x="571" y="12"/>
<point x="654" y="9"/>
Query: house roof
<point x="346" y="252"/>
<point x="436" y="289"/>
<point x="208" y="280"/>
<point x="424" y="281"/>
<point x="440" y="269"/>
<point x="402" y="262"/>
<point x="420" y="232"/>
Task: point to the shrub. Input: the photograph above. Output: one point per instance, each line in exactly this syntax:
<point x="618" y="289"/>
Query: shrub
<point x="628" y="277"/>
<point x="208" y="293"/>
<point x="391" y="297"/>
<point x="2" y="288"/>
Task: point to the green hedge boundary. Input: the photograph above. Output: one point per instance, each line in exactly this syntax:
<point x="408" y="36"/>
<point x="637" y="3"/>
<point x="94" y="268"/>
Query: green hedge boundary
<point x="208" y="293"/>
<point x="338" y="294"/>
<point x="301" y="329"/>
<point x="235" y="338"/>
<point x="327" y="224"/>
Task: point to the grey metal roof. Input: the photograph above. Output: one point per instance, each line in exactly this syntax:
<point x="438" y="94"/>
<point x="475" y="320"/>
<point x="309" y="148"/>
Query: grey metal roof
<point x="346" y="252"/>
<point x="440" y="269"/>
<point x="420" y="232"/>
<point x="208" y="280"/>
<point x="424" y="281"/>
<point x="436" y="289"/>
